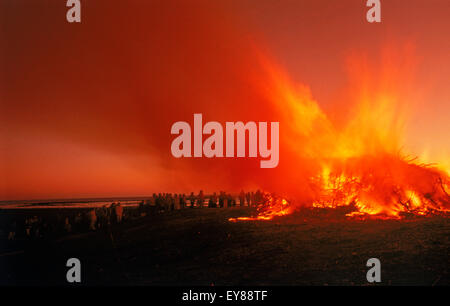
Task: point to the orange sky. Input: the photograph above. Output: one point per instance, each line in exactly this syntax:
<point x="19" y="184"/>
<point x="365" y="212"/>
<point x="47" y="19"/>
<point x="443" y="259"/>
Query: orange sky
<point x="86" y="108"/>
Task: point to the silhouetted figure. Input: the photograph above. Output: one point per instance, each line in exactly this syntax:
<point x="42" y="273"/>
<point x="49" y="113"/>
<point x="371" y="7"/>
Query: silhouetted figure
<point x="248" y="198"/>
<point x="183" y="201"/>
<point x="225" y="201"/>
<point x="201" y="199"/>
<point x="119" y="212"/>
<point x="192" y="199"/>
<point x="221" y="198"/>
<point x="242" y="198"/>
<point x="213" y="200"/>
<point x="112" y="214"/>
<point x="177" y="205"/>
<point x="92" y="216"/>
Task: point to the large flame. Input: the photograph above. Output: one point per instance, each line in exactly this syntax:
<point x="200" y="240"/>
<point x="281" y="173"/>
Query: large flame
<point x="358" y="163"/>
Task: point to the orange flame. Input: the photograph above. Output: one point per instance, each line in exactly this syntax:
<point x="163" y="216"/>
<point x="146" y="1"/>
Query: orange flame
<point x="358" y="164"/>
<point x="270" y="207"/>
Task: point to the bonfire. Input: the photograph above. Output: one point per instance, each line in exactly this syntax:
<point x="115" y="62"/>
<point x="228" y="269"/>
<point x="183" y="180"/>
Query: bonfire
<point x="359" y="164"/>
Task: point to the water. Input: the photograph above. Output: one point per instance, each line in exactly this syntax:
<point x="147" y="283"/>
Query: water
<point x="69" y="203"/>
<point x="79" y="203"/>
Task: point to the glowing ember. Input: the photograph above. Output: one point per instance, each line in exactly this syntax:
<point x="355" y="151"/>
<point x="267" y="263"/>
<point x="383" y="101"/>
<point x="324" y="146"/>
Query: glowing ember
<point x="270" y="207"/>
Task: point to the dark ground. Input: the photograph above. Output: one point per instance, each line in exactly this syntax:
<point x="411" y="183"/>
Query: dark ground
<point x="200" y="247"/>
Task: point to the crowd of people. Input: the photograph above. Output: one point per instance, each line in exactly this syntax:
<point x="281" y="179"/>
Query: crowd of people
<point x="66" y="221"/>
<point x="167" y="201"/>
<point x="45" y="224"/>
